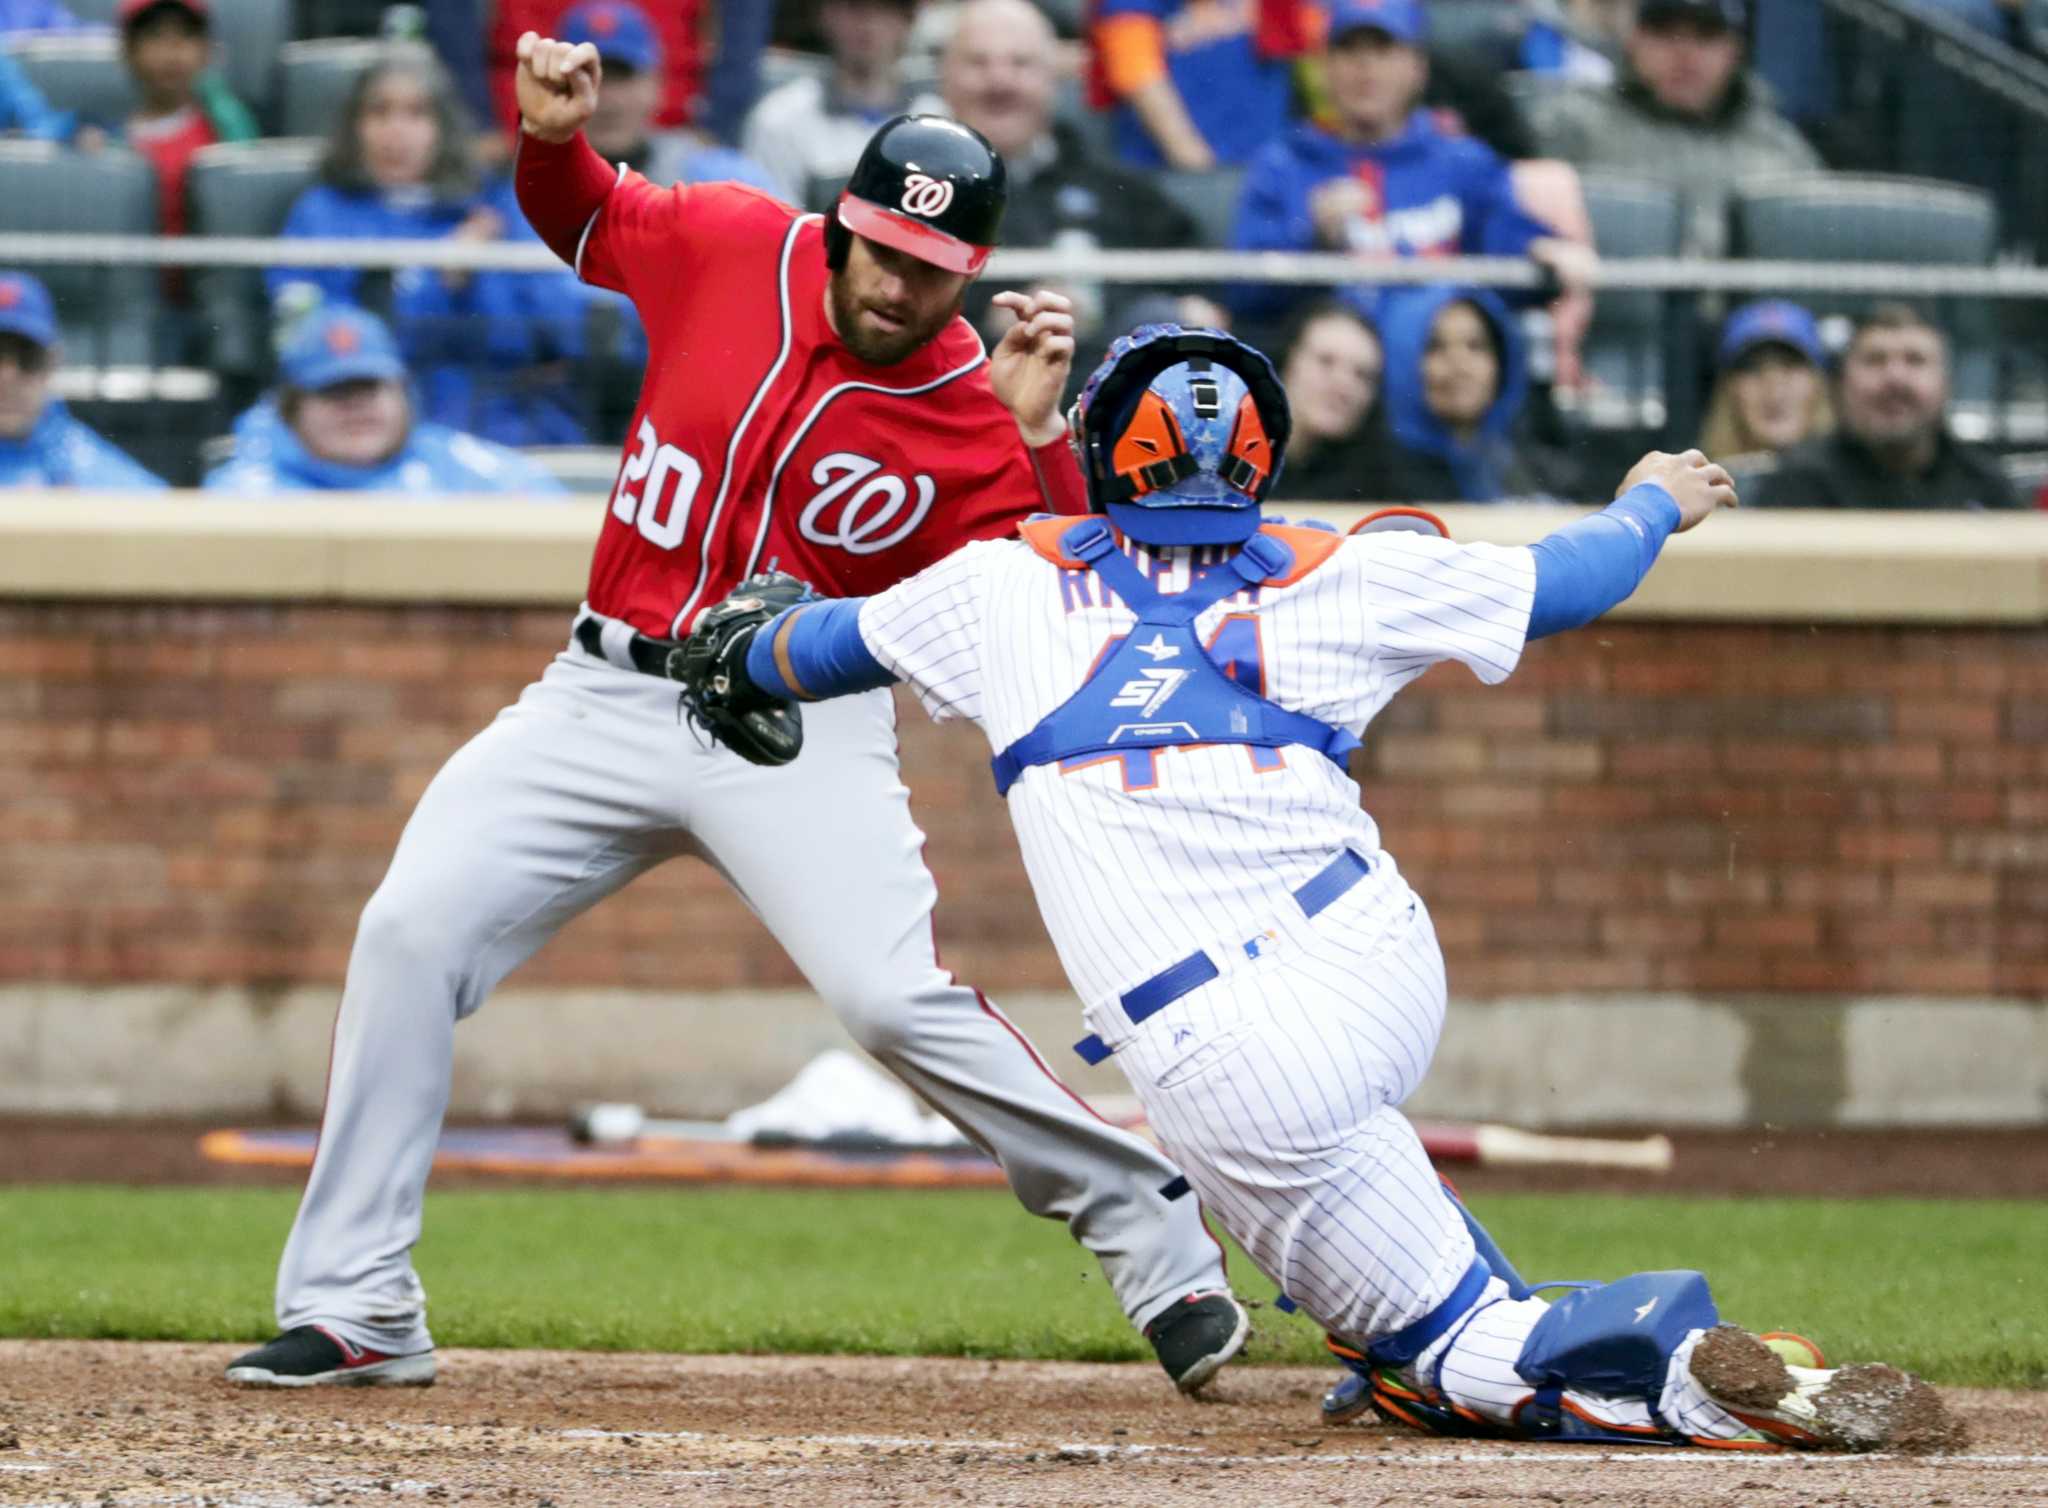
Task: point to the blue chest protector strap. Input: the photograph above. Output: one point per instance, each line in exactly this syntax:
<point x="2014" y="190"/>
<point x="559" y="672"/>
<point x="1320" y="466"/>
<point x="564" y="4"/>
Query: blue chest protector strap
<point x="1157" y="687"/>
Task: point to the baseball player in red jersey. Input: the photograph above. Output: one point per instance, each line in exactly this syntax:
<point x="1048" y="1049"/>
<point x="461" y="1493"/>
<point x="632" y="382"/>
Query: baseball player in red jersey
<point x="813" y="403"/>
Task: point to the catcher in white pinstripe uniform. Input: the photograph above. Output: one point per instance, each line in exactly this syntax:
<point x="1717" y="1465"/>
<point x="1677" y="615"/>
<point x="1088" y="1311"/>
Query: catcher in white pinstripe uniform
<point x="1172" y="686"/>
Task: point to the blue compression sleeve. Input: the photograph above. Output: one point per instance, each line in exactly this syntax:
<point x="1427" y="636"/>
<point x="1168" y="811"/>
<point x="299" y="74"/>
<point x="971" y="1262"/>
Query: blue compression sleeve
<point x="826" y="653"/>
<point x="1588" y="566"/>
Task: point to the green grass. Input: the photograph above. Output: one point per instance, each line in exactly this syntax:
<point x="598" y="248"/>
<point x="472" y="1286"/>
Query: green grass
<point x="1953" y="1290"/>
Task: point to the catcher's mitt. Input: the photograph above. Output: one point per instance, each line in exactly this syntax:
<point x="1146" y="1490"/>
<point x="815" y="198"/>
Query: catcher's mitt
<point x="712" y="666"/>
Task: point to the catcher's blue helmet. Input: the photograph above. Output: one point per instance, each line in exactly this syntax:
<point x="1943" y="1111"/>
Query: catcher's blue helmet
<point x="1180" y="434"/>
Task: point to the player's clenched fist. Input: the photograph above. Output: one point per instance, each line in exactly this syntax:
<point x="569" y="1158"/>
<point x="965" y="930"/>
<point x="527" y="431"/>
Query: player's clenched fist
<point x="557" y="86"/>
<point x="1028" y="370"/>
<point x="1696" y="484"/>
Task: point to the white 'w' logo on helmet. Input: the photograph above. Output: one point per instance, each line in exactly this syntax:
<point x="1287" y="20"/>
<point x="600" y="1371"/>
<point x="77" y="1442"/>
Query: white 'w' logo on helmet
<point x="925" y="195"/>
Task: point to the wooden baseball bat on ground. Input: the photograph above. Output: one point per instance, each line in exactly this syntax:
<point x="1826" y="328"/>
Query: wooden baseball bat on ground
<point x="1506" y="1147"/>
<point x="1487" y="1145"/>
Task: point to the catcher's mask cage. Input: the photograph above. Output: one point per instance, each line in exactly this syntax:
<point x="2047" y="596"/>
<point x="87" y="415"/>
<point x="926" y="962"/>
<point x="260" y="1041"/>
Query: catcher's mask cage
<point x="927" y="186"/>
<point x="1180" y="435"/>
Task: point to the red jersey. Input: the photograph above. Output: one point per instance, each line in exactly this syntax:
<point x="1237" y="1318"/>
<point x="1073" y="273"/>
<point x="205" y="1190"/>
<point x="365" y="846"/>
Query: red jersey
<point x="168" y="143"/>
<point x="760" y="441"/>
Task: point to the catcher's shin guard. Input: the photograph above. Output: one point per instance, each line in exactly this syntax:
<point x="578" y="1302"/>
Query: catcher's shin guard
<point x="1357" y="1391"/>
<point x="1489" y="1250"/>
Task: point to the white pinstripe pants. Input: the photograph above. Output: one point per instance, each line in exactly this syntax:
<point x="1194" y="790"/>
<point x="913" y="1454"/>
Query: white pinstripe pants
<point x="1275" y="1088"/>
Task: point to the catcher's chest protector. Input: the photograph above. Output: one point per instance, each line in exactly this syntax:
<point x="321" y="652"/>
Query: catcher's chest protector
<point x="1158" y="687"/>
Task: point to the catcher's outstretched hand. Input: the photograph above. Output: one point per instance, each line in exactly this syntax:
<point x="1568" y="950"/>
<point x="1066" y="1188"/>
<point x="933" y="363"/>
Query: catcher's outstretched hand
<point x="556" y="83"/>
<point x="1696" y="484"/>
<point x="712" y="666"/>
<point x="1029" y="368"/>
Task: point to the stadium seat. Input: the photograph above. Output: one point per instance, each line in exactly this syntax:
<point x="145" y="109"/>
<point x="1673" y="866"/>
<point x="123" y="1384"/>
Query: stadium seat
<point x="107" y="312"/>
<point x="1872" y="217"/>
<point x="1863" y="217"/>
<point x="1211" y="197"/>
<point x="244" y="189"/>
<point x="1070" y="109"/>
<point x="80" y="72"/>
<point x="248" y="35"/>
<point x="1632" y="217"/>
<point x="1491" y="28"/>
<point x="314" y="79"/>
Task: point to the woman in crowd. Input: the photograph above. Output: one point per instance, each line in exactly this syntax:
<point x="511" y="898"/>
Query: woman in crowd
<point x="485" y="347"/>
<point x="1330" y="363"/>
<point x="1771" y="391"/>
<point x="1456" y="381"/>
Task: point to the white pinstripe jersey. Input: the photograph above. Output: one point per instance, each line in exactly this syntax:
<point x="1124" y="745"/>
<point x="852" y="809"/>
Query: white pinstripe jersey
<point x="1131" y="879"/>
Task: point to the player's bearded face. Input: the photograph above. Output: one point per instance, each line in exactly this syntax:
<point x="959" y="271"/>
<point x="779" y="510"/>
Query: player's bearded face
<point x="886" y="304"/>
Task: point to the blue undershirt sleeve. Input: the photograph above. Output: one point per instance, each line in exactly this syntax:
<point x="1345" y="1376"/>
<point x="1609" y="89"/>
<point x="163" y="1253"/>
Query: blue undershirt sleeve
<point x="826" y="653"/>
<point x="1588" y="566"/>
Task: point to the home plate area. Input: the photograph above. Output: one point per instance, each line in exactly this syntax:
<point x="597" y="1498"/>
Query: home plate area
<point x="132" y="1423"/>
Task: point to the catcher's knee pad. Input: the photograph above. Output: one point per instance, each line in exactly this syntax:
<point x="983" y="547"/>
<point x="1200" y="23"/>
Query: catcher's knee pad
<point x="1613" y="1340"/>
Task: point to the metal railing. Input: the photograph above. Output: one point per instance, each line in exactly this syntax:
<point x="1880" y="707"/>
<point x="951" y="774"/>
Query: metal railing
<point x="2002" y="386"/>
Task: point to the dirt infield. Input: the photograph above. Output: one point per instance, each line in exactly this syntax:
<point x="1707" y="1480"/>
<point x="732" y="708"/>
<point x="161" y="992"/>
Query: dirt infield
<point x="110" y="1423"/>
<point x="1848" y="1164"/>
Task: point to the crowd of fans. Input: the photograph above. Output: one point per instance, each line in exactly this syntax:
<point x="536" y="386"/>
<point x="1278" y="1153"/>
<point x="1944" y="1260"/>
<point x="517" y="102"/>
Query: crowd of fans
<point x="1341" y="126"/>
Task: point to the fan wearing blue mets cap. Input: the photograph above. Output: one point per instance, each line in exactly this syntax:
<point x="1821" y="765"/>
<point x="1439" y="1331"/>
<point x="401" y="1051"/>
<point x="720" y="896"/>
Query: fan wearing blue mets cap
<point x="623" y="129"/>
<point x="1771" y="391"/>
<point x="1380" y="177"/>
<point x="342" y="419"/>
<point x="41" y="445"/>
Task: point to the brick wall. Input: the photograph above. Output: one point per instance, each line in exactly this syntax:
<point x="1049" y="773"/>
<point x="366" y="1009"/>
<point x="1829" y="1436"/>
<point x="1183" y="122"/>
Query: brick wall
<point x="208" y="794"/>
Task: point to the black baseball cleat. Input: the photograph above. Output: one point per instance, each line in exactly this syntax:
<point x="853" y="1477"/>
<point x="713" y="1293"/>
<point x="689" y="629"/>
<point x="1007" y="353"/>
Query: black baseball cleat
<point x="313" y="1356"/>
<point x="1197" y="1336"/>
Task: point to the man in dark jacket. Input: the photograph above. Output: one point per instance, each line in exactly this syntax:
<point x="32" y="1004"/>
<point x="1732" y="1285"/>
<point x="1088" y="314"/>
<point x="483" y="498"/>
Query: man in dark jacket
<point x="1685" y="112"/>
<point x="1893" y="448"/>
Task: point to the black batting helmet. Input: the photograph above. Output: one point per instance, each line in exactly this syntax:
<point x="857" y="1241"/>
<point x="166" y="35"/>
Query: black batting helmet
<point x="927" y="186"/>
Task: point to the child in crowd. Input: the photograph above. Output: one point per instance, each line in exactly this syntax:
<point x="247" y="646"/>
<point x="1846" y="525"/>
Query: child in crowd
<point x="181" y="105"/>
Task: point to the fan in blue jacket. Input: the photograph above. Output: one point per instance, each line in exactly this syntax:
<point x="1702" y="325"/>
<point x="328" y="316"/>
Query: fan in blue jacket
<point x="342" y="420"/>
<point x="1455" y="381"/>
<point x="23" y="108"/>
<point x="41" y="445"/>
<point x="479" y="344"/>
<point x="1381" y="178"/>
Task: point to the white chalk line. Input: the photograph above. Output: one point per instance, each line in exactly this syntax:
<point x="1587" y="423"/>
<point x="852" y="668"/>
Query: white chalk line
<point x="1559" y="1455"/>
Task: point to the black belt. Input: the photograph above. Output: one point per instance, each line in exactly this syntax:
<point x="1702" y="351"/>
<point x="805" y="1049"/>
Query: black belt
<point x="649" y="656"/>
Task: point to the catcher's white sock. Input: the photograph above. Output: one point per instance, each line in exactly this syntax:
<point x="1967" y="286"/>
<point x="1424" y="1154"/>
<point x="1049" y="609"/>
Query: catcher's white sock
<point x="1475" y="1366"/>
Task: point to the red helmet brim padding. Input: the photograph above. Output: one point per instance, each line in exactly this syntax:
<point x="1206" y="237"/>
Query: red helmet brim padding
<point x="925" y="242"/>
